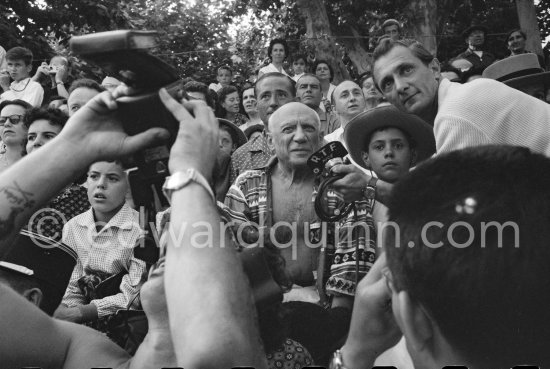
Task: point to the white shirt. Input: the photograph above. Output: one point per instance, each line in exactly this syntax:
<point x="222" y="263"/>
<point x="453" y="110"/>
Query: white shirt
<point x="111" y="250"/>
<point x="26" y="90"/>
<point x="271" y="69"/>
<point x="488" y="112"/>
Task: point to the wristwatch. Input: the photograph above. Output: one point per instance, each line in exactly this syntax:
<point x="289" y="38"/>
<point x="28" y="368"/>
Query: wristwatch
<point x="369" y="191"/>
<point x="337" y="362"/>
<point x="179" y="180"/>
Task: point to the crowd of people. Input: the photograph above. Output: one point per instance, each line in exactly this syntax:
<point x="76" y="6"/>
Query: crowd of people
<point x="433" y="254"/>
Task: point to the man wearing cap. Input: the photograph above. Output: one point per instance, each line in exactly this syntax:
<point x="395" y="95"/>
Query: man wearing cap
<point x="308" y="91"/>
<point x="39" y="269"/>
<point x="522" y="72"/>
<point x="392" y="29"/>
<point x="475" y="39"/>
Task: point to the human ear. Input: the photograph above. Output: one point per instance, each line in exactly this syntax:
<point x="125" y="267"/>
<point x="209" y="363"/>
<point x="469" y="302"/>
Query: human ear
<point x="34" y="295"/>
<point x="366" y="159"/>
<point x="435" y="67"/>
<point x="416" y="325"/>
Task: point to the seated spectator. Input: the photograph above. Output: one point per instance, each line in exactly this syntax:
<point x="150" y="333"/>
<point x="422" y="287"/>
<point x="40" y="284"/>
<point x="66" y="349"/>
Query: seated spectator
<point x="19" y="64"/>
<point x="522" y="72"/>
<point x="250" y="106"/>
<point x="14" y="131"/>
<point x="54" y="75"/>
<point x="104" y="238"/>
<point x="224" y="77"/>
<point x="81" y="91"/>
<point x="373" y="97"/>
<point x="229" y="106"/>
<point x="516" y="42"/>
<point x="476" y="54"/>
<point x="349" y="101"/>
<point x="39" y="269"/>
<point x="391" y="28"/>
<point x="468" y="295"/>
<point x="388" y="143"/>
<point x="299" y="66"/>
<point x="308" y="91"/>
<point x="231" y="138"/>
<point x="43" y="126"/>
<point x="277" y="52"/>
<point x="325" y="73"/>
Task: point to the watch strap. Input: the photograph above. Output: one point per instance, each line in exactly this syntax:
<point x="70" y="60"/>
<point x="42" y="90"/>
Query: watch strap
<point x="188" y="176"/>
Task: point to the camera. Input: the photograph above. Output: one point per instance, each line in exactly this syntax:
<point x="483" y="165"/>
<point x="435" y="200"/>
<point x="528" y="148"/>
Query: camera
<point x="53" y="69"/>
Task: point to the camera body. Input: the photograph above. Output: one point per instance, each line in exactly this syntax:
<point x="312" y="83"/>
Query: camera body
<point x="53" y="69"/>
<point x="332" y="153"/>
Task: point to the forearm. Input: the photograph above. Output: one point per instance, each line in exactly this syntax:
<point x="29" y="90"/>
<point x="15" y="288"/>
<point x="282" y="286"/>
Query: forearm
<point x="33" y="181"/>
<point x="61" y="90"/>
<point x="219" y="318"/>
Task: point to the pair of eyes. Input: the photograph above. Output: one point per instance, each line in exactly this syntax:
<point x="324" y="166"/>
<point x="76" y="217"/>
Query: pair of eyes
<point x="381" y="146"/>
<point x="280" y="95"/>
<point x="48" y="136"/>
<point x="290" y="129"/>
<point x="111" y="178"/>
<point x="387" y="83"/>
<point x="233" y="100"/>
<point x="313" y="87"/>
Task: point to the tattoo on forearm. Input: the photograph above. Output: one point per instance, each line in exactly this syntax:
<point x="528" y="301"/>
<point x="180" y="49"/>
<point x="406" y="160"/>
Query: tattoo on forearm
<point x="16" y="200"/>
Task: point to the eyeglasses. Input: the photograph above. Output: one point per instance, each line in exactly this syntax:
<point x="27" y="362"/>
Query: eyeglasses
<point x="14" y="119"/>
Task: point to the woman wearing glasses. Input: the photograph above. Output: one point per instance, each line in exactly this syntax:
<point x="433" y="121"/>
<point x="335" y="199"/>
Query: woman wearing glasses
<point x="13" y="131"/>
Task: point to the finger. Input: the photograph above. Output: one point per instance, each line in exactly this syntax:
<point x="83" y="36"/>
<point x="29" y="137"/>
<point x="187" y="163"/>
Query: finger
<point x="124" y="90"/>
<point x="203" y="114"/>
<point x="102" y="103"/>
<point x="375" y="273"/>
<point x="178" y="111"/>
<point x="342" y="169"/>
<point x="143" y="140"/>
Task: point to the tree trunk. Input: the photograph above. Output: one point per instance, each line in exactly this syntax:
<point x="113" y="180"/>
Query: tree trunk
<point x="357" y="53"/>
<point x="528" y="23"/>
<point x="321" y="37"/>
<point x="422" y="22"/>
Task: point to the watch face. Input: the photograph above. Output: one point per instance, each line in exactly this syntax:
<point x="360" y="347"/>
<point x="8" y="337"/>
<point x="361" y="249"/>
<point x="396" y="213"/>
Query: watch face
<point x="370" y="192"/>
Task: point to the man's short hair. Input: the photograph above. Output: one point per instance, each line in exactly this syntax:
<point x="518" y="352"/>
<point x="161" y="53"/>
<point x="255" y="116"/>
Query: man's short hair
<point x="225" y="67"/>
<point x="55" y="116"/>
<point x="387" y="44"/>
<point x="307" y="75"/>
<point x="291" y="83"/>
<point x="277" y="41"/>
<point x="86" y="83"/>
<point x="19" y="53"/>
<point x="391" y="22"/>
<point x="194" y="86"/>
<point x="523" y="34"/>
<point x="22" y="103"/>
<point x="489" y="298"/>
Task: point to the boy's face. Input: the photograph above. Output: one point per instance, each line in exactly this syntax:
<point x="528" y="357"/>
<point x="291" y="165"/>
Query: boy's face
<point x="389" y="154"/>
<point x="224" y="77"/>
<point x="299" y="66"/>
<point x="226" y="142"/>
<point x="107" y="186"/>
<point x="18" y="69"/>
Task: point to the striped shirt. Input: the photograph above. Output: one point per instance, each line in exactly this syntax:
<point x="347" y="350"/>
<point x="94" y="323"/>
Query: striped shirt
<point x="487" y="112"/>
<point x="111" y="250"/>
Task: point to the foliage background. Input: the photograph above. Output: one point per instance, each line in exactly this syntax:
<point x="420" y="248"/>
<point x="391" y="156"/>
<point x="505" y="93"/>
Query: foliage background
<point x="196" y="36"/>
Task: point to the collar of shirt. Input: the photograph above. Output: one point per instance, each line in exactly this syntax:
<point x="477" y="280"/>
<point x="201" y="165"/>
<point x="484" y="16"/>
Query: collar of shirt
<point x="19" y="85"/>
<point x="259" y="143"/>
<point x="125" y="219"/>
